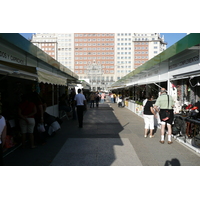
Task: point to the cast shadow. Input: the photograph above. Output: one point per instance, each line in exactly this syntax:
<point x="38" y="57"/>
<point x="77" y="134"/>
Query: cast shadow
<point x="172" y="162"/>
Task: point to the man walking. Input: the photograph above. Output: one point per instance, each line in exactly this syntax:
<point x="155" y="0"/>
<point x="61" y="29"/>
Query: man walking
<point x="165" y="103"/>
<point x="81" y="105"/>
<point x="92" y="98"/>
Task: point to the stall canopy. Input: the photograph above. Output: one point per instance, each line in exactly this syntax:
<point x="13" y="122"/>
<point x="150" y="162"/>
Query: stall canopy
<point x="50" y="78"/>
<point x="20" y="67"/>
<point x="16" y="70"/>
<point x="34" y="61"/>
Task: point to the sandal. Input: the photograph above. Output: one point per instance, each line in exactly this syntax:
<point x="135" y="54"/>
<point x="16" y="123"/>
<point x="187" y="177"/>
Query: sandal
<point x="151" y="136"/>
<point x="145" y="136"/>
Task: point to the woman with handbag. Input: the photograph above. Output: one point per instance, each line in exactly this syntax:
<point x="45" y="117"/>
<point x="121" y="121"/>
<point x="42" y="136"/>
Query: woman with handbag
<point x="165" y="103"/>
<point x="148" y="116"/>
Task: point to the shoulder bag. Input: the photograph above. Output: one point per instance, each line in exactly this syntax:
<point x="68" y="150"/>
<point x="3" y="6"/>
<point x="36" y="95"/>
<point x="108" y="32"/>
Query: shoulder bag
<point x="166" y="115"/>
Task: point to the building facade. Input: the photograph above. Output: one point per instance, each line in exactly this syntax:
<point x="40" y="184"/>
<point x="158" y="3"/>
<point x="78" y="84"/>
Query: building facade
<point x="94" y="51"/>
<point x="114" y="54"/>
<point x="123" y="54"/>
<point x="146" y="46"/>
<point x="60" y="46"/>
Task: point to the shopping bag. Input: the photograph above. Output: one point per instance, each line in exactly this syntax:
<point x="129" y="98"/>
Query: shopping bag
<point x="41" y="128"/>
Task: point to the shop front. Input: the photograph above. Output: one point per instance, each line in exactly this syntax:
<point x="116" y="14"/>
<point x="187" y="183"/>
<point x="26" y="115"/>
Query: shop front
<point x="24" y="69"/>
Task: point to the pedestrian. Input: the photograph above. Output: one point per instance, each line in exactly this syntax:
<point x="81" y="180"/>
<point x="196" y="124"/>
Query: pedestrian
<point x="65" y="105"/>
<point x="92" y="98"/>
<point x="26" y="112"/>
<point x="97" y="98"/>
<point x="103" y="97"/>
<point x="39" y="117"/>
<point x="3" y="132"/>
<point x="165" y="103"/>
<point x="72" y="95"/>
<point x="114" y="97"/>
<point x="148" y="116"/>
<point x="81" y="105"/>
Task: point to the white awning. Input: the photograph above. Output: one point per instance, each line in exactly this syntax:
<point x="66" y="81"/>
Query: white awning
<point x="50" y="78"/>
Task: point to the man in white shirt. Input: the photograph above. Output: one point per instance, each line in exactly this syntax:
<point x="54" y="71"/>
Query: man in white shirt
<point x="81" y="105"/>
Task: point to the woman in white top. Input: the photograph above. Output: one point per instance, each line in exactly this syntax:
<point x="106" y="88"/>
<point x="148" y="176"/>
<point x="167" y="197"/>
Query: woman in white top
<point x="2" y="137"/>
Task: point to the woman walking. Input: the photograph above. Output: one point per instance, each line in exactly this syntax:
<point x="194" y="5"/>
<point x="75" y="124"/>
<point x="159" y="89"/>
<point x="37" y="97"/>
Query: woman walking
<point x="149" y="114"/>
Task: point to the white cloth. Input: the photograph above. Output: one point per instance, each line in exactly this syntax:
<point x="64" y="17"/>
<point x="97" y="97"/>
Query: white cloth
<point x="79" y="98"/>
<point x="144" y="102"/>
<point x="54" y="127"/>
<point x="2" y="125"/>
<point x="149" y="121"/>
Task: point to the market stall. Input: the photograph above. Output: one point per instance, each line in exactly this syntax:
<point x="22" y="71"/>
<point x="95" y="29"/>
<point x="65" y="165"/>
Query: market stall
<point x="177" y="70"/>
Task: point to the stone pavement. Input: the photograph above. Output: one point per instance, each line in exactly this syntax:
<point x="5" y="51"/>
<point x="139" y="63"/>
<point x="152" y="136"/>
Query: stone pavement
<point x="110" y="136"/>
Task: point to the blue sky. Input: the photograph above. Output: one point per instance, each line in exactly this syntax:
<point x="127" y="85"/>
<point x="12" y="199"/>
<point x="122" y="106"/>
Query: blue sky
<point x="170" y="38"/>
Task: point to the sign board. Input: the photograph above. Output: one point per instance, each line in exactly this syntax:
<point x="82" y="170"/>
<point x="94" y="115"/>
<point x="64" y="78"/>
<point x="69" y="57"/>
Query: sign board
<point x="9" y="55"/>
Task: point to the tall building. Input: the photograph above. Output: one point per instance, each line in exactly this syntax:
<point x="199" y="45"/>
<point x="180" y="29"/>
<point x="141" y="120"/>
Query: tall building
<point x="146" y="46"/>
<point x="63" y="43"/>
<point x="47" y="42"/>
<point x="103" y="58"/>
<point x="92" y="51"/>
<point x="123" y="54"/>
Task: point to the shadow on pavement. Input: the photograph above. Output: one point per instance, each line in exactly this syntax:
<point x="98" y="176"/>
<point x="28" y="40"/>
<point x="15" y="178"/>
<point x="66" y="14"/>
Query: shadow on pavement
<point x="96" y="144"/>
<point x="173" y="162"/>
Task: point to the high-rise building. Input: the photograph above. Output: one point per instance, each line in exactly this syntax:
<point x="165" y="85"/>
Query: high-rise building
<point x="63" y="46"/>
<point x="146" y="46"/>
<point x="103" y="58"/>
<point x="123" y="54"/>
<point x="47" y="42"/>
<point x="92" y="51"/>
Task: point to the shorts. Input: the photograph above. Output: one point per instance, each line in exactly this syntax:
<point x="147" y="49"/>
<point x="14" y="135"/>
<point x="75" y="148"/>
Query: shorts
<point x="27" y="127"/>
<point x="162" y="115"/>
<point x="149" y="121"/>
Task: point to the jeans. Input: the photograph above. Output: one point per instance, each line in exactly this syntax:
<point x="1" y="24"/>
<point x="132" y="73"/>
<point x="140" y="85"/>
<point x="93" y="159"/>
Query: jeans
<point x="80" y="110"/>
<point x="91" y="103"/>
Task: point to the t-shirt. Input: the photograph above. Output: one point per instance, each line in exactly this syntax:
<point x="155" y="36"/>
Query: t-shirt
<point x="162" y="102"/>
<point x="79" y="98"/>
<point x="2" y="125"/>
<point x="147" y="110"/>
<point x="27" y="108"/>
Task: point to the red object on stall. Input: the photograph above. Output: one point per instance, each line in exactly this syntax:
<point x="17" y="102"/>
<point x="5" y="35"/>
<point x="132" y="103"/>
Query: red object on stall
<point x="189" y="106"/>
<point x="195" y="108"/>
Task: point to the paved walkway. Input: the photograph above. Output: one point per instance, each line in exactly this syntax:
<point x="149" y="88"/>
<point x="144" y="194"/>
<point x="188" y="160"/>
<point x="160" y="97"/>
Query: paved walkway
<point x="110" y="136"/>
